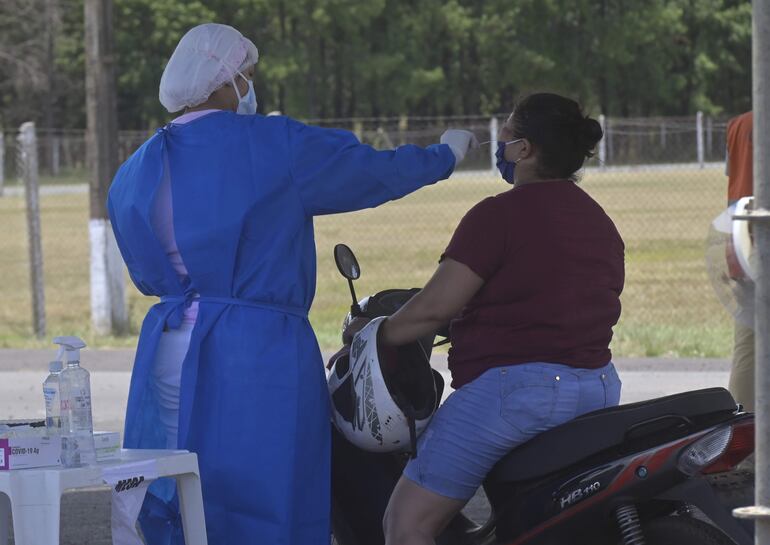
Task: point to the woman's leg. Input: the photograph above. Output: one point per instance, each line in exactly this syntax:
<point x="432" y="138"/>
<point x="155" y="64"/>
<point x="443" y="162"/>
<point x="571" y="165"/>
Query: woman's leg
<point x="476" y="426"/>
<point x="416" y="515"/>
<point x="742" y="372"/>
<point x="467" y="436"/>
<point x="167" y="375"/>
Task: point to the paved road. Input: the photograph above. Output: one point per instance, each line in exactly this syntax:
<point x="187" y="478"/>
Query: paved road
<point x="85" y="515"/>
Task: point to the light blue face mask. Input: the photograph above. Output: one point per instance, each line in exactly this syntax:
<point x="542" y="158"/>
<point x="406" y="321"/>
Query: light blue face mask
<point x="247" y="104"/>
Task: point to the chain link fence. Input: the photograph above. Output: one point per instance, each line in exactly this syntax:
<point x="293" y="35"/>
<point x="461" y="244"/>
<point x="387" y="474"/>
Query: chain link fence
<point x="660" y="179"/>
<point x="61" y="154"/>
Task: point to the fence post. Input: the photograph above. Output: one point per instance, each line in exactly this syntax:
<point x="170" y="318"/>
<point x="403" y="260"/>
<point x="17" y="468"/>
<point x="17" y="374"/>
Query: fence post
<point x="603" y="143"/>
<point x="358" y="129"/>
<point x="28" y="164"/>
<point x="493" y="130"/>
<point x="403" y="126"/>
<point x="699" y="139"/>
<point x="709" y="135"/>
<point x="2" y="162"/>
<point x="55" y="141"/>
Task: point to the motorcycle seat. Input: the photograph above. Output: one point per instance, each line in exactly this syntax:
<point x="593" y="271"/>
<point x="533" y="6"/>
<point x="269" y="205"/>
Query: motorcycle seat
<point x="594" y="432"/>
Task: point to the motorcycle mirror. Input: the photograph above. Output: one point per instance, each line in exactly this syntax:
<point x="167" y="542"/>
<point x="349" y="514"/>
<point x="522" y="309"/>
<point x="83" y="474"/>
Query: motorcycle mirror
<point x="348" y="267"/>
<point x="346" y="262"/>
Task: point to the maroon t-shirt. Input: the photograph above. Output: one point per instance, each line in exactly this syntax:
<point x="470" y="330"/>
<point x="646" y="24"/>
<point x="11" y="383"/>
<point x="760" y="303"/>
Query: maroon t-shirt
<point x="552" y="264"/>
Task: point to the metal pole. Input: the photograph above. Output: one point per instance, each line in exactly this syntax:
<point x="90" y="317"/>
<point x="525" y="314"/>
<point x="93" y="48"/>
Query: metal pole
<point x="55" y="155"/>
<point x="2" y="162"/>
<point x="699" y="139"/>
<point x="29" y="165"/>
<point x="761" y="107"/>
<point x="760" y="218"/>
<point x="358" y="129"/>
<point x="493" y="130"/>
<point x="403" y="126"/>
<point x="603" y="143"/>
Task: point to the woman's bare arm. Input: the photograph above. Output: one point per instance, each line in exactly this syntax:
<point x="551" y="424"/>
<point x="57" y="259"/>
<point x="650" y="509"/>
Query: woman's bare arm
<point x="443" y="297"/>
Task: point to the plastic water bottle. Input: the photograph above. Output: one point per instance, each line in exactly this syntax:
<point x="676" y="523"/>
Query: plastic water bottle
<point x="51" y="393"/>
<point x="78" y="436"/>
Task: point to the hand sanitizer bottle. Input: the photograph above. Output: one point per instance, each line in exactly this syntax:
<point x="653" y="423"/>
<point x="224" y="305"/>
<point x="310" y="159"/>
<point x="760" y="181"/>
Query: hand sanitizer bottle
<point x="51" y="393"/>
<point x="78" y="437"/>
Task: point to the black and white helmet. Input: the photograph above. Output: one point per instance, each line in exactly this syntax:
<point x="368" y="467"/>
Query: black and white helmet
<point x="383" y="406"/>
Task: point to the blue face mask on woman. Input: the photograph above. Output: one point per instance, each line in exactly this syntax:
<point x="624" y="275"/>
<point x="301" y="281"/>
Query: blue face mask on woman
<point x="505" y="167"/>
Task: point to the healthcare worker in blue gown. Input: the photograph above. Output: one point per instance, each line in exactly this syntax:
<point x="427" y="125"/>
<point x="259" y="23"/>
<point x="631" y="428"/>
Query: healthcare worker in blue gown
<point x="214" y="216"/>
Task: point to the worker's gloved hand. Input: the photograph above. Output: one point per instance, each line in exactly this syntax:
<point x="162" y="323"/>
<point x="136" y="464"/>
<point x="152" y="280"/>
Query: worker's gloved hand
<point x="460" y="141"/>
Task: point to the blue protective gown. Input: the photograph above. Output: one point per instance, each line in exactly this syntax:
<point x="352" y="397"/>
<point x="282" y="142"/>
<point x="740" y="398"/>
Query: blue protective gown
<point x="253" y="403"/>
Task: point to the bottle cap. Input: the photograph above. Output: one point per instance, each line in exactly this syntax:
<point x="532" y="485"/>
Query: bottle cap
<point x="55" y="366"/>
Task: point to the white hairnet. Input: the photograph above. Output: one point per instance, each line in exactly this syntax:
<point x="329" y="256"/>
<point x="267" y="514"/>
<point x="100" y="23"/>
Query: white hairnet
<point x="208" y="56"/>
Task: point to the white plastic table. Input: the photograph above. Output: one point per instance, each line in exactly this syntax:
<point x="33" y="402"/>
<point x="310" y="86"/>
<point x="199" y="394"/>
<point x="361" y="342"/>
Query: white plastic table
<point x="34" y="495"/>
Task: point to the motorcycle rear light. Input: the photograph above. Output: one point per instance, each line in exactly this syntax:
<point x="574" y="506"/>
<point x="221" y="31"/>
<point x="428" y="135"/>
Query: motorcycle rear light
<point x="705" y="451"/>
<point x="741" y="446"/>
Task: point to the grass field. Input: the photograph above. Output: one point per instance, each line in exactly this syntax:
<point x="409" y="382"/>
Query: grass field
<point x="668" y="304"/>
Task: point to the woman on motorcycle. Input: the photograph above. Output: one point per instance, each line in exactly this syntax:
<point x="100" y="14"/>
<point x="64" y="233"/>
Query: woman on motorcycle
<point x="535" y="275"/>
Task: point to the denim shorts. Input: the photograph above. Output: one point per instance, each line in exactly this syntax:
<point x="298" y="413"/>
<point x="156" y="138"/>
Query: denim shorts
<point x="506" y="406"/>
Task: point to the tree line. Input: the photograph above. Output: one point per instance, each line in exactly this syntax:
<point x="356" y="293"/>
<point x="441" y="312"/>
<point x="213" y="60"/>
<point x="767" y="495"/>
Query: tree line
<point x="387" y="58"/>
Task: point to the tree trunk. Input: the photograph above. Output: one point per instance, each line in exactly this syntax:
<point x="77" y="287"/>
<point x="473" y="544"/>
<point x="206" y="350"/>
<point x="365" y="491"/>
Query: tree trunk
<point x="108" y="309"/>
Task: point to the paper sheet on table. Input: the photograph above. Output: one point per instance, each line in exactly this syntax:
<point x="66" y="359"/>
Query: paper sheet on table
<point x="129" y="484"/>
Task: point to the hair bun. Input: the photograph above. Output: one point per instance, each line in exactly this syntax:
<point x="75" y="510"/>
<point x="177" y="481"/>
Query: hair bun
<point x="590" y="134"/>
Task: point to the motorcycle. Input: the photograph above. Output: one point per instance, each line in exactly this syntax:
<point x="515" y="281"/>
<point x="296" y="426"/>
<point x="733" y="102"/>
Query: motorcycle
<point x="658" y="472"/>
